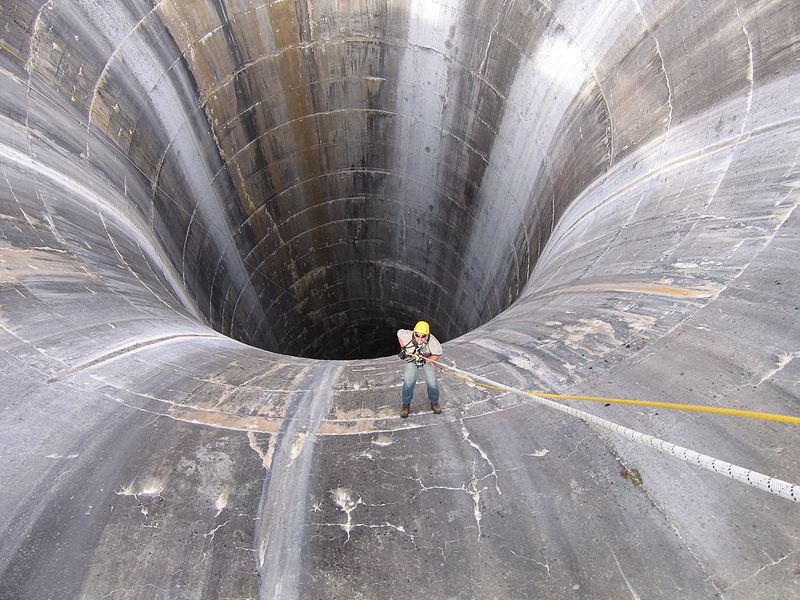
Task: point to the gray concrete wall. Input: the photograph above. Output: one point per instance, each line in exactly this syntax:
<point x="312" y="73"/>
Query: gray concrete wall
<point x="583" y="198"/>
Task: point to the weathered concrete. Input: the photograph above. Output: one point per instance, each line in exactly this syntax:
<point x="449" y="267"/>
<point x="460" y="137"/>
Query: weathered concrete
<point x="201" y="200"/>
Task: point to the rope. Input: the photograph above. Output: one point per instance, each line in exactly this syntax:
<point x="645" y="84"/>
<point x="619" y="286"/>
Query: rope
<point x="749" y="414"/>
<point x="784" y="489"/>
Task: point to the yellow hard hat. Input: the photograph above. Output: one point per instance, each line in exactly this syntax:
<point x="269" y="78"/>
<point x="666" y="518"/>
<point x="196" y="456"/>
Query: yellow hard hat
<point x="422" y="327"/>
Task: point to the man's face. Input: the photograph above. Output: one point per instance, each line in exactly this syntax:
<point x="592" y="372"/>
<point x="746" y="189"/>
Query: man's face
<point x="420" y="337"/>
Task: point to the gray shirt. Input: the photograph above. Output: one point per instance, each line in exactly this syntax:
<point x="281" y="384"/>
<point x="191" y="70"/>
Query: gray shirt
<point x="431" y="345"/>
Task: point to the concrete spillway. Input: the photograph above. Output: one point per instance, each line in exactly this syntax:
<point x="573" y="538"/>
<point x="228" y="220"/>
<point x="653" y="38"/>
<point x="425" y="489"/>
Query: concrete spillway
<point x="215" y="215"/>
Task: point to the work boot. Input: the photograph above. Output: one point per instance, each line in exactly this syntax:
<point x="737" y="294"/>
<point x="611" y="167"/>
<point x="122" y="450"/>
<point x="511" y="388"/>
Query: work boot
<point x="437" y="410"/>
<point x="405" y="411"/>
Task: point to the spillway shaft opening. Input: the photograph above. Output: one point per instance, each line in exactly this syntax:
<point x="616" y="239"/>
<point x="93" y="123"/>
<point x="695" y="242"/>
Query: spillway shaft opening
<point x="321" y="174"/>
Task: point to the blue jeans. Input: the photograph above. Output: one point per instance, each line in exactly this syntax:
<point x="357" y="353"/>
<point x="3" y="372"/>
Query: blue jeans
<point x="410" y="380"/>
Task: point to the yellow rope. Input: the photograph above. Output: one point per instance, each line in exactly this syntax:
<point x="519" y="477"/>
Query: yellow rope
<point x="748" y="414"/>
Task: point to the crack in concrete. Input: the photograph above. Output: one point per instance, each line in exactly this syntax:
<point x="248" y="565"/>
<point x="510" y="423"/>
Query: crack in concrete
<point x="544" y="565"/>
<point x="343" y="498"/>
<point x="346" y="501"/>
<point x="213" y="532"/>
<point x="783" y="360"/>
<point x="475" y="494"/>
<point x="700" y="565"/>
<point x="470" y="488"/>
<point x="663" y="69"/>
<point x="150" y="488"/>
<point x="759" y="571"/>
<point x="483" y="454"/>
<point x="577" y="445"/>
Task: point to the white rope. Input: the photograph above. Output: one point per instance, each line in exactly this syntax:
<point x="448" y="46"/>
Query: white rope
<point x="781" y="488"/>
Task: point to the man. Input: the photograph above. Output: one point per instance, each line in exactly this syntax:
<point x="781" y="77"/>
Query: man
<point x="419" y="350"/>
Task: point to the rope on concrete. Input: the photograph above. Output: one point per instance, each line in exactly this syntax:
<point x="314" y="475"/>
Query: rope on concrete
<point x="784" y="489"/>
<point x="732" y="412"/>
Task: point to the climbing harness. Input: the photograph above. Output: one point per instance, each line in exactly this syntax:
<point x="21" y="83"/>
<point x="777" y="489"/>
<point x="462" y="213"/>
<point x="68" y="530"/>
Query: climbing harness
<point x="413" y="352"/>
<point x="784" y="489"/>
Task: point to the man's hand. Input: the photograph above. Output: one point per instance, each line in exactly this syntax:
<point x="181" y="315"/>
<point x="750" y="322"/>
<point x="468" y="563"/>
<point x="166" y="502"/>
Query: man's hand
<point x="411" y="358"/>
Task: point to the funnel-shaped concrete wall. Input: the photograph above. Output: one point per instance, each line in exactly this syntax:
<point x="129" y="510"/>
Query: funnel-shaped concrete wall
<point x="215" y="214"/>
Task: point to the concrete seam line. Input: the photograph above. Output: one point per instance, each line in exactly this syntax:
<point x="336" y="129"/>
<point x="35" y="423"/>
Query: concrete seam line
<point x="784" y="489"/>
<point x="127" y="349"/>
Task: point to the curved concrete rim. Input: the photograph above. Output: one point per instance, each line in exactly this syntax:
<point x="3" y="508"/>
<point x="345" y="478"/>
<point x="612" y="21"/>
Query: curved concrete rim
<point x="214" y="214"/>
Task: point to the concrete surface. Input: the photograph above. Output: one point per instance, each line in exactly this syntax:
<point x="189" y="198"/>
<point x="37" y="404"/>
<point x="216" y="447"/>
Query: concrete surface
<point x="215" y="214"/>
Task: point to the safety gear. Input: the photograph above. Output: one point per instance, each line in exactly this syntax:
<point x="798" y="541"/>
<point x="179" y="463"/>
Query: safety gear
<point x="405" y="411"/>
<point x="409" y="358"/>
<point x="422" y="327"/>
<point x="436" y="408"/>
<point x="420" y="361"/>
